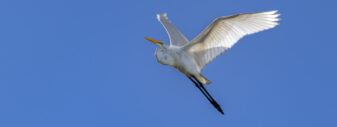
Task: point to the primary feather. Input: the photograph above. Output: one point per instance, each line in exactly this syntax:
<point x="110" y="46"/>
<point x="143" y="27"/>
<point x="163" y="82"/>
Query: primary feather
<point x="225" y="31"/>
<point x="176" y="37"/>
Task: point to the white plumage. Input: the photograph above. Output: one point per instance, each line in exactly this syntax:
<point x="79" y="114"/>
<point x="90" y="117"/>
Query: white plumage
<point x="225" y="31"/>
<point x="191" y="57"/>
<point x="176" y="37"/>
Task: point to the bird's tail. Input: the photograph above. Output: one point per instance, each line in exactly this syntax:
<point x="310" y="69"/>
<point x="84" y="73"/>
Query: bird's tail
<point x="202" y="79"/>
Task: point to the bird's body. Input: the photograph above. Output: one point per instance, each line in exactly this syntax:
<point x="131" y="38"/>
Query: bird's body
<point x="190" y="57"/>
<point x="181" y="60"/>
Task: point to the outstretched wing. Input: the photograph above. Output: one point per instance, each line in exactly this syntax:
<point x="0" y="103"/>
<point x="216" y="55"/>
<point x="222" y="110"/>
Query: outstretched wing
<point x="176" y="37"/>
<point x="225" y="31"/>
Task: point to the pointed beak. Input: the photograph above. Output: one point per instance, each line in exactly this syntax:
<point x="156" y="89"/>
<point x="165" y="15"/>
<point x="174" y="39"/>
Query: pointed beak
<point x="153" y="41"/>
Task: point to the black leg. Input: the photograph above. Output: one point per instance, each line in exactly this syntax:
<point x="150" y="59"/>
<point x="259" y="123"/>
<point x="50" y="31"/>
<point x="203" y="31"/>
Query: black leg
<point x="197" y="85"/>
<point x="210" y="98"/>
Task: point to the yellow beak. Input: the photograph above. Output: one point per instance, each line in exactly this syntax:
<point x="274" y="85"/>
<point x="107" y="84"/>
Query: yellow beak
<point x="153" y="41"/>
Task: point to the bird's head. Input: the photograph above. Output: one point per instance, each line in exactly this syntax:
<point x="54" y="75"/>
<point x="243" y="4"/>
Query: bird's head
<point x="159" y="43"/>
<point x="162" y="53"/>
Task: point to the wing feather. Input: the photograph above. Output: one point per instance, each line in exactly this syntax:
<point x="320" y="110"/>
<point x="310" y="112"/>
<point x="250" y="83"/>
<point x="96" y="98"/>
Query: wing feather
<point x="225" y="31"/>
<point x="176" y="37"/>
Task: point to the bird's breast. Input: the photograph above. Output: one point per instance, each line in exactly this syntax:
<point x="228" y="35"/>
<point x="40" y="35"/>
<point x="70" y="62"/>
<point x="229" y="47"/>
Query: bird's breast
<point x="186" y="64"/>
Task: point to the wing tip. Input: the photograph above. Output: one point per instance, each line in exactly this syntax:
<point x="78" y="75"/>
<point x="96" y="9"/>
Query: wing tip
<point x="162" y="15"/>
<point x="273" y="16"/>
<point x="272" y="12"/>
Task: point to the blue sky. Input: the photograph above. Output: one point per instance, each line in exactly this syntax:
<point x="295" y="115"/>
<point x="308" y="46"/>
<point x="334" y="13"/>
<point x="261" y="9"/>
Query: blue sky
<point x="67" y="63"/>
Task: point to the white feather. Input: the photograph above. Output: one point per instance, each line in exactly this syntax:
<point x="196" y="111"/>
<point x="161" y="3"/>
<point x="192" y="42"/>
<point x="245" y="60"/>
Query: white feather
<point x="176" y="37"/>
<point x="225" y="31"/>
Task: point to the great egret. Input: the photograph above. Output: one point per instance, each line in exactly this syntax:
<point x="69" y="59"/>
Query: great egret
<point x="191" y="57"/>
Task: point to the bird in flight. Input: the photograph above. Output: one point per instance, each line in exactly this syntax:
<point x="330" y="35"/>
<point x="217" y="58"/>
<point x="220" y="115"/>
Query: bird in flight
<point x="190" y="57"/>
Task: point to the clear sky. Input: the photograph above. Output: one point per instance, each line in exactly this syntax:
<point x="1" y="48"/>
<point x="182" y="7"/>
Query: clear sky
<point x="80" y="63"/>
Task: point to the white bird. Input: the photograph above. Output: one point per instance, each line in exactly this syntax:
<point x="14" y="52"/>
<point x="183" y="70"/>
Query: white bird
<point x="190" y="57"/>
